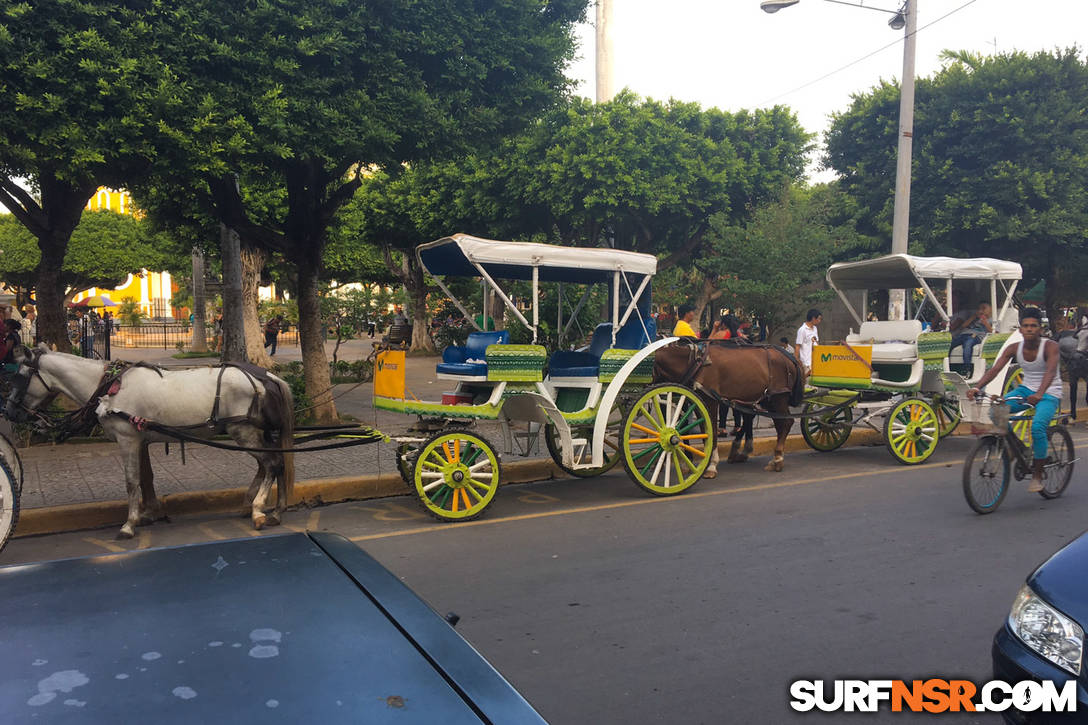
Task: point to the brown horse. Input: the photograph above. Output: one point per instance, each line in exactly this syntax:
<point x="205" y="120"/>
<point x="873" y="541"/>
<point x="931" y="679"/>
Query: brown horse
<point x="746" y="375"/>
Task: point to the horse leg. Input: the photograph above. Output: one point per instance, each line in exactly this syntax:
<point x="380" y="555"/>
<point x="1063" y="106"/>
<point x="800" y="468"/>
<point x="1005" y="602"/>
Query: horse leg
<point x="749" y="434"/>
<point x="151" y="508"/>
<point x="130" y="460"/>
<point x="248" y="436"/>
<point x="712" y="469"/>
<point x="251" y="492"/>
<point x="779" y="404"/>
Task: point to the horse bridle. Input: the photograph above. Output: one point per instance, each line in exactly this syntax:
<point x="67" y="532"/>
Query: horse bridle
<point x="15" y="408"/>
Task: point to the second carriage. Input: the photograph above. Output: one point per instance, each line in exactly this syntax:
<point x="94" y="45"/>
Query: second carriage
<point x="896" y="376"/>
<point x="580" y="400"/>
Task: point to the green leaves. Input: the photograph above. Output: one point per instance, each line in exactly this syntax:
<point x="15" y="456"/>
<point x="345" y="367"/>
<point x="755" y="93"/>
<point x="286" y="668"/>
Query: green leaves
<point x="1000" y="161"/>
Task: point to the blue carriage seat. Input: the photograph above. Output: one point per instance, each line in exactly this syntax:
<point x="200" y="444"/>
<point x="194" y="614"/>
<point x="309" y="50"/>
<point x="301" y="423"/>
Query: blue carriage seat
<point x="585" y="363"/>
<point x="471" y="359"/>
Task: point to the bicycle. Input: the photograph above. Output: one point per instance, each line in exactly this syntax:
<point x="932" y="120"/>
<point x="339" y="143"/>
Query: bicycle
<point x="996" y="454"/>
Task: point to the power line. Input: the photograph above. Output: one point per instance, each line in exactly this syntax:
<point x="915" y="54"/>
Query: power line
<point x="866" y="56"/>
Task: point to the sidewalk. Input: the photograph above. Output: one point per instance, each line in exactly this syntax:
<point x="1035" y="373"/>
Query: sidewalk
<point x="76" y="473"/>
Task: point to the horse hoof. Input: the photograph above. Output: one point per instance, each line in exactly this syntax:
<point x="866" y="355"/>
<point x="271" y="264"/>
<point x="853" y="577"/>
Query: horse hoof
<point x="259" y="521"/>
<point x="272" y="519"/>
<point x="709" y="473"/>
<point x="769" y="466"/>
<point x="126" y="532"/>
<point x="739" y="458"/>
<point x="778" y="465"/>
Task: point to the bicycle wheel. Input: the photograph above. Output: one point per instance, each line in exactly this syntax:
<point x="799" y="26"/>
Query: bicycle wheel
<point x="1061" y="453"/>
<point x="986" y="475"/>
<point x="9" y="503"/>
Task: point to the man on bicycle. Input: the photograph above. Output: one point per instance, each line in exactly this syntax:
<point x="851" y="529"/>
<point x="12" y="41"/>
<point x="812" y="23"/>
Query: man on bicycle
<point x="1042" y="386"/>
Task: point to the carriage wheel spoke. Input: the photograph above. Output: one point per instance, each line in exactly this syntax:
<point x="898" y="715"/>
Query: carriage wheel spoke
<point x="696" y="451"/>
<point x="668" y="469"/>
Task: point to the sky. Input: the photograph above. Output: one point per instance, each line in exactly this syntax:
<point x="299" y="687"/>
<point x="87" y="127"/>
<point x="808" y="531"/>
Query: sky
<point x="731" y="55"/>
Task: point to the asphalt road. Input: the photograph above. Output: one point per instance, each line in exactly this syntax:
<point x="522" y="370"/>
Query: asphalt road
<point x="603" y="605"/>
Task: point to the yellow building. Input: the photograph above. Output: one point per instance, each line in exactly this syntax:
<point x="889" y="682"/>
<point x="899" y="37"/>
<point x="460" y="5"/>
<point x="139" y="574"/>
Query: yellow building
<point x="152" y="290"/>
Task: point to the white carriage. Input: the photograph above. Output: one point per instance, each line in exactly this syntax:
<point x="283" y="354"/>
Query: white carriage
<point x="577" y="396"/>
<point x="896" y="376"/>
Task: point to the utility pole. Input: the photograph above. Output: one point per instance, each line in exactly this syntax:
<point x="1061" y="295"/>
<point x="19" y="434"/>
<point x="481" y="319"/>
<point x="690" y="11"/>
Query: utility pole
<point x="604" y="88"/>
<point x="897" y="308"/>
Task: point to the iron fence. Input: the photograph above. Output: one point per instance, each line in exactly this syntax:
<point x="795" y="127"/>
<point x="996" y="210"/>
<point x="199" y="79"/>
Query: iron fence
<point x="163" y="335"/>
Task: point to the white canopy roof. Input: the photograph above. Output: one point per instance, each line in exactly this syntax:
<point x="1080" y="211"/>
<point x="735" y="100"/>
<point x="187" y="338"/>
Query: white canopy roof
<point x="456" y="254"/>
<point x="902" y="271"/>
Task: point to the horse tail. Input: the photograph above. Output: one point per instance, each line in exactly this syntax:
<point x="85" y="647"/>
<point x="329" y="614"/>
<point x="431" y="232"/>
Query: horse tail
<point x="287" y="439"/>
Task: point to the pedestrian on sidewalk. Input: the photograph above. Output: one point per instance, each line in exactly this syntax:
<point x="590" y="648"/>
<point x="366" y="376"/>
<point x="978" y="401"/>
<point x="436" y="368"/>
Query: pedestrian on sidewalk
<point x="686" y="315"/>
<point x="807" y="337"/>
<point x="272" y="333"/>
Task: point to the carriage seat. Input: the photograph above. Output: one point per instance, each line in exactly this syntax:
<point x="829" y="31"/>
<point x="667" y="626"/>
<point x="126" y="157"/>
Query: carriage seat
<point x="586" y="362"/>
<point x="471" y="359"/>
<point x="893" y="341"/>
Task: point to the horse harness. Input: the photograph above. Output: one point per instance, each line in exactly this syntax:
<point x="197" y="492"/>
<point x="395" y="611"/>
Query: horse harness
<point x="701" y="359"/>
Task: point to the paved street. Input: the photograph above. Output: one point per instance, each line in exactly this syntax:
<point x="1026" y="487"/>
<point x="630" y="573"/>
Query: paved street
<point x="604" y="605"/>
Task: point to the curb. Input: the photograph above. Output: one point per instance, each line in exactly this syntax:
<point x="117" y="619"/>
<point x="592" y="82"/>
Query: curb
<point x="315" y="492"/>
<point x="321" y="491"/>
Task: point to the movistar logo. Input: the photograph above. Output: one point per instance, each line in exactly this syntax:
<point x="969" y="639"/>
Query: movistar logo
<point x="828" y="357"/>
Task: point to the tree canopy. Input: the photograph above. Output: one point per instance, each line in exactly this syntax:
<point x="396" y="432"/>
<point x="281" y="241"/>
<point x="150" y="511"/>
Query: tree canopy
<point x="78" y="96"/>
<point x="104" y="249"/>
<point x="1000" y="163"/>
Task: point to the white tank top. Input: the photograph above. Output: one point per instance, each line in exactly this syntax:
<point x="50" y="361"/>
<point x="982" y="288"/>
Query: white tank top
<point x="1036" y="369"/>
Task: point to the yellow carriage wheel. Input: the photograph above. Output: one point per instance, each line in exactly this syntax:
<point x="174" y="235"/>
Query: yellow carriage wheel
<point x="456" y="475"/>
<point x="912" y="431"/>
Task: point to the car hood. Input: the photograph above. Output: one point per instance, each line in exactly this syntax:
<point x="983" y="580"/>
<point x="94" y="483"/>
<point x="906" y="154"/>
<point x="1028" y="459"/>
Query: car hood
<point x="1062" y="580"/>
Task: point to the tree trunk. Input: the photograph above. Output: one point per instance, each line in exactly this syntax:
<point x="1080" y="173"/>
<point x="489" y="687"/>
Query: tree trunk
<point x="707" y="294"/>
<point x="200" y="338"/>
<point x="253" y="260"/>
<point x="498" y="312"/>
<point x="234" y="341"/>
<point x="62" y="205"/>
<point x="416" y="287"/>
<point x="315" y="364"/>
<point x="49" y="294"/>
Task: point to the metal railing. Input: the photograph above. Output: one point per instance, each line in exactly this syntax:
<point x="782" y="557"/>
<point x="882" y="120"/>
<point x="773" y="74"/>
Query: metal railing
<point x="163" y="335"/>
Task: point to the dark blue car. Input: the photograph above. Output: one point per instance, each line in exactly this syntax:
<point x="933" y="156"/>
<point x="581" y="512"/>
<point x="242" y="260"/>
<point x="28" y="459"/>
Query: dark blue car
<point x="1043" y="637"/>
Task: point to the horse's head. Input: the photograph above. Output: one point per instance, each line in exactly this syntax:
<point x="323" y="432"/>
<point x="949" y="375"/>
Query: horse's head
<point x="29" y="392"/>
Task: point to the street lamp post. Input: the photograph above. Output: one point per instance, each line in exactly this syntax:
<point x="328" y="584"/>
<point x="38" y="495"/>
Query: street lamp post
<point x="907" y="19"/>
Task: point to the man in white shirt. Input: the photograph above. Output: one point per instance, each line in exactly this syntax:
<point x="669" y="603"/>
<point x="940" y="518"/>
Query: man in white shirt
<point x="807" y="336"/>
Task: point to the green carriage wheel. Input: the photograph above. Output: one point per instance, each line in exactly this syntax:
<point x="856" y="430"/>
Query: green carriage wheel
<point x="912" y="431"/>
<point x="1022" y="427"/>
<point x="947" y="408"/>
<point x="828" y="431"/>
<point x="611" y="445"/>
<point x="668" y="439"/>
<point x="456" y="474"/>
<point x="405" y="451"/>
<point x="9" y="502"/>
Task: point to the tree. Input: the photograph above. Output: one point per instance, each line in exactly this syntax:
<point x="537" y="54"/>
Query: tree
<point x="1000" y="163"/>
<point x="770" y="267"/>
<point x="639" y="175"/>
<point x="308" y="95"/>
<point x="76" y="99"/>
<point x="104" y="249"/>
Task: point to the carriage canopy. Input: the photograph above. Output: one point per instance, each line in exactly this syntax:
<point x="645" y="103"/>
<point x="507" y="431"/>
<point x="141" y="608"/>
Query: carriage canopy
<point x="462" y="255"/>
<point x="627" y="273"/>
<point x="905" y="271"/>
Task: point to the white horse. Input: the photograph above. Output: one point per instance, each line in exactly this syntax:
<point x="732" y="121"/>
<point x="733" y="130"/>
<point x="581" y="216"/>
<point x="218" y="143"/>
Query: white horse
<point x="201" y="401"/>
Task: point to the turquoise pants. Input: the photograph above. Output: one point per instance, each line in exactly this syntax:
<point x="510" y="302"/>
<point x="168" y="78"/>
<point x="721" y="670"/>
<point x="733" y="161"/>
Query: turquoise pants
<point x="1045" y="410"/>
